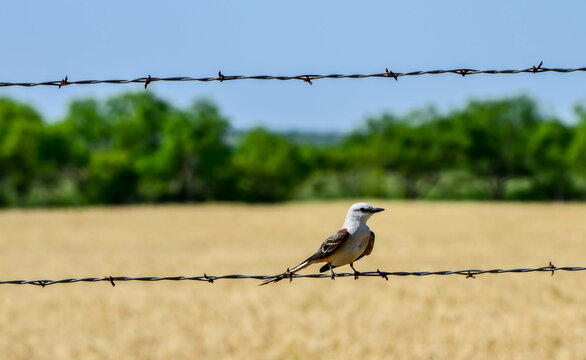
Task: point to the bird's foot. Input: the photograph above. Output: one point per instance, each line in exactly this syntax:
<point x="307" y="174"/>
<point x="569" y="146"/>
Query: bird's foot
<point x="356" y="272"/>
<point x="333" y="274"/>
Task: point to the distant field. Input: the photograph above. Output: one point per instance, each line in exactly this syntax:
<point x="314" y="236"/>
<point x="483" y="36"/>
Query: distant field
<point x="509" y="316"/>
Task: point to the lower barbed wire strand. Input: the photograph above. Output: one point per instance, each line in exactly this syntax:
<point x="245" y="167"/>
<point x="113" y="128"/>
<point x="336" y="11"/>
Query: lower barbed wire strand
<point x="211" y="278"/>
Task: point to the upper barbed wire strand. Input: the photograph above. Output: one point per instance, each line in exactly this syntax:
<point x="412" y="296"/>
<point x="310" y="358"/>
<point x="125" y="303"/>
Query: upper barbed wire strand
<point x="309" y="78"/>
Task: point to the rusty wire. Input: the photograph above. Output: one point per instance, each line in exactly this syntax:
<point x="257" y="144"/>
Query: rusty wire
<point x="472" y="273"/>
<point x="308" y="78"/>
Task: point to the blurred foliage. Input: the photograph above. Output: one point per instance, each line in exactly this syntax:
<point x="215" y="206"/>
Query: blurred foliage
<point x="416" y="148"/>
<point x="267" y="166"/>
<point x="496" y="135"/>
<point x="136" y="147"/>
<point x="21" y="132"/>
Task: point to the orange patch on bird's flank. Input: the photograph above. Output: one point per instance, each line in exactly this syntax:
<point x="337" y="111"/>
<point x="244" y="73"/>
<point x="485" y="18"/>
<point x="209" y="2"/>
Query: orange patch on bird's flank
<point x="346" y="229"/>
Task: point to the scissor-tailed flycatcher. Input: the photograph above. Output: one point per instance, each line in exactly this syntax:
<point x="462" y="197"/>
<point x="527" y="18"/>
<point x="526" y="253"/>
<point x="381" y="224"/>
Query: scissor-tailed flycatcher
<point x="353" y="241"/>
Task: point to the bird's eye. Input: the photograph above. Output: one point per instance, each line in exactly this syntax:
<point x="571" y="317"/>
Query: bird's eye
<point x="363" y="209"/>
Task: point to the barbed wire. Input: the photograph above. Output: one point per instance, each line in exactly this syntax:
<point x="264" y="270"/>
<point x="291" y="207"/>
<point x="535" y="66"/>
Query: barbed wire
<point x="471" y="273"/>
<point x="308" y="78"/>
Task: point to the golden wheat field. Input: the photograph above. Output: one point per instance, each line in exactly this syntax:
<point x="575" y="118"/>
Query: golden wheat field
<point x="508" y="316"/>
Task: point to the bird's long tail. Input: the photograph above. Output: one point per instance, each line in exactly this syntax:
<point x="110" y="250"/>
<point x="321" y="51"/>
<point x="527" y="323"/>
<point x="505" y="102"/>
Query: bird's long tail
<point x="286" y="274"/>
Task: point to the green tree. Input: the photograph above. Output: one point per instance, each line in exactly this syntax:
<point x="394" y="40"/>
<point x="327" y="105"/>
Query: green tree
<point x="21" y="131"/>
<point x="268" y="167"/>
<point x="87" y="122"/>
<point x="577" y="148"/>
<point x="416" y="148"/>
<point x="497" y="133"/>
<point x="193" y="160"/>
<point x="62" y="153"/>
<point x="548" y="160"/>
<point x="117" y="137"/>
<point x="136" y="121"/>
<point x="110" y="178"/>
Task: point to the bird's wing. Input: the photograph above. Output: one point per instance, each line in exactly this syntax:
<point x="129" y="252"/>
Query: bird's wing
<point x="327" y="248"/>
<point x="369" y="247"/>
<point x="331" y="244"/>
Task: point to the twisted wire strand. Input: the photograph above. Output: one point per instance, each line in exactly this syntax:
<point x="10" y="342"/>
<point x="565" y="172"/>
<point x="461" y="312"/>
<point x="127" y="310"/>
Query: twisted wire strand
<point x="309" y="78"/>
<point x="471" y="273"/>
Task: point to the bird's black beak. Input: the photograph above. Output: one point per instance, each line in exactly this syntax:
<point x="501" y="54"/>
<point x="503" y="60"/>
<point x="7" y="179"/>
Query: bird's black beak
<point x="375" y="210"/>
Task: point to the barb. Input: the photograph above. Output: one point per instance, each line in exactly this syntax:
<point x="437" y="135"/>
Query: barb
<point x="211" y="278"/>
<point x="308" y="78"/>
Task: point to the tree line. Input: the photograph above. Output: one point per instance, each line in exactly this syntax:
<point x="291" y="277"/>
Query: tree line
<point x="139" y="148"/>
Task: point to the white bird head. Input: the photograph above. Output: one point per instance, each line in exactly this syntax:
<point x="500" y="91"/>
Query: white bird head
<point x="360" y="213"/>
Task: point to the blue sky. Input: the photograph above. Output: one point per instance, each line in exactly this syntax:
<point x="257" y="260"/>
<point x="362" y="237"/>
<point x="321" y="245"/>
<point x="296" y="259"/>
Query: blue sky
<point x="127" y="39"/>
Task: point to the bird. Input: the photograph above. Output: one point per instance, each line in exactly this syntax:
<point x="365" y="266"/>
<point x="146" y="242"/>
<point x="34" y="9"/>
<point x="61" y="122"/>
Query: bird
<point x="350" y="243"/>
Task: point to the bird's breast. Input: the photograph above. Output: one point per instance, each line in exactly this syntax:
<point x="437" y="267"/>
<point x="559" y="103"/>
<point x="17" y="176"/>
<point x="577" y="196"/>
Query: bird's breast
<point x="352" y="248"/>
